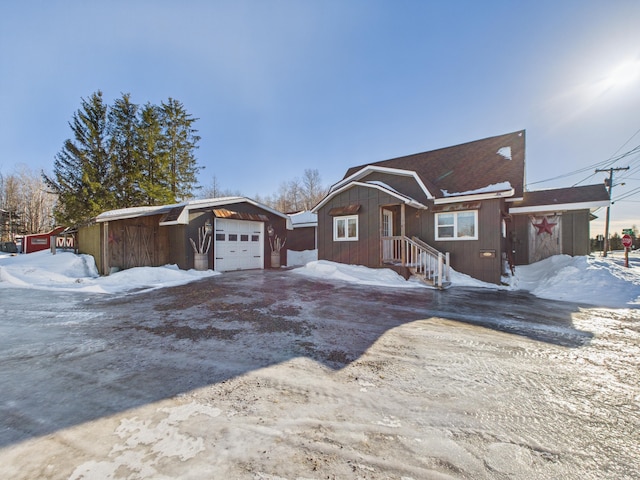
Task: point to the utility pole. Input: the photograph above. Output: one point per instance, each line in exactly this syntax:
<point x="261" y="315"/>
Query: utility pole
<point x="610" y="185"/>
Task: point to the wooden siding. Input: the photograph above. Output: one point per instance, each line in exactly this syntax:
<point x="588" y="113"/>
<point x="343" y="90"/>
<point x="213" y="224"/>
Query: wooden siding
<point x="137" y="242"/>
<point x="180" y="246"/>
<point x="89" y="243"/>
<point x="466" y="254"/>
<point x="365" y="251"/>
<point x="301" y="239"/>
<point x="575" y="234"/>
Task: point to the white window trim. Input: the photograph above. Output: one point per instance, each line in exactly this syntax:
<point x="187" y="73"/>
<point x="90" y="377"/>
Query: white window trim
<point x="455" y="237"/>
<point x="345" y="219"/>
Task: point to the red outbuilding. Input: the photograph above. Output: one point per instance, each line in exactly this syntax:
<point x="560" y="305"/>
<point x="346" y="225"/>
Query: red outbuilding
<point x="39" y="241"/>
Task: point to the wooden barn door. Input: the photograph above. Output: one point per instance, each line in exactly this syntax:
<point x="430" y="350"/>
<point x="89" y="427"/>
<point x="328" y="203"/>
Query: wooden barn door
<point x="138" y="246"/>
<point x="545" y="237"/>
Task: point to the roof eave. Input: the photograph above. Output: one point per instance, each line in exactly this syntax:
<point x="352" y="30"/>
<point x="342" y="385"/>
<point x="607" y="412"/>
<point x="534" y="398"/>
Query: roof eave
<point x="392" y="171"/>
<point x="404" y="199"/>
<point x="475" y="197"/>
<point x="591" y="206"/>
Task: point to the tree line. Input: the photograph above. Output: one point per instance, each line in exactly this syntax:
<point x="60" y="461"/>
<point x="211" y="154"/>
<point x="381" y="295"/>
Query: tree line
<point x="123" y="155"/>
<point x="292" y="196"/>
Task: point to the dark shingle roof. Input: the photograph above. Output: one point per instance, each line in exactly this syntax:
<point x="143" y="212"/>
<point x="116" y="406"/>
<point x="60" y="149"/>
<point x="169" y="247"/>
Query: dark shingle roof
<point x="466" y="167"/>
<point x="560" y="196"/>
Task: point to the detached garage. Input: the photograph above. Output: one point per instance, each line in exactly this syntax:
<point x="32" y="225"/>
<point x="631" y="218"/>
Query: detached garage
<point x="238" y="231"/>
<point x="239" y="244"/>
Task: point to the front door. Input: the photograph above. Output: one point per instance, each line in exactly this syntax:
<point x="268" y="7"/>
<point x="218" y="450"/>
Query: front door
<point x="387" y="231"/>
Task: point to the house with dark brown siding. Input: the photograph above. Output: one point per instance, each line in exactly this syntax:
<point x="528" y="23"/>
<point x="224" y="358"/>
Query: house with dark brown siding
<point x="463" y="206"/>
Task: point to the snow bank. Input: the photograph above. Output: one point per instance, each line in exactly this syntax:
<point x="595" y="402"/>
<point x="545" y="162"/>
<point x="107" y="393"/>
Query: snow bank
<point x="590" y="280"/>
<point x="68" y="271"/>
<point x="296" y="259"/>
<point x="355" y="274"/>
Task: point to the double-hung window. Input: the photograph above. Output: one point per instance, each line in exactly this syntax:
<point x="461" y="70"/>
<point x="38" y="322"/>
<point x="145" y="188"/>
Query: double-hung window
<point x="345" y="228"/>
<point x="457" y="225"/>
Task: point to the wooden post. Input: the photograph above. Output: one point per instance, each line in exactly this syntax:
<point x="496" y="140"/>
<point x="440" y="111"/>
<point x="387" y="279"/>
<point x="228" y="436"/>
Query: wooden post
<point x="104" y="249"/>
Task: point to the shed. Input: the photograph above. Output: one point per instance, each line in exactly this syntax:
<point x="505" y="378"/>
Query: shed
<point x="39" y="241"/>
<point x="238" y="230"/>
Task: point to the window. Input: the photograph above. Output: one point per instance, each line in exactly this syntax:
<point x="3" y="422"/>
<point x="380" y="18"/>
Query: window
<point x="345" y="228"/>
<point x="457" y="225"/>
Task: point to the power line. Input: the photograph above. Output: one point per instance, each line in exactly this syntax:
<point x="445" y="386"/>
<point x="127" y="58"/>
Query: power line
<point x="605" y="163"/>
<point x="610" y="185"/>
<point x="627" y="195"/>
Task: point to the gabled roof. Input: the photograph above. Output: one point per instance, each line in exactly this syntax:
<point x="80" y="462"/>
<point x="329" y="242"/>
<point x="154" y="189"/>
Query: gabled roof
<point x="374" y="185"/>
<point x="589" y="197"/>
<point x="469" y="167"/>
<point x="176" y="213"/>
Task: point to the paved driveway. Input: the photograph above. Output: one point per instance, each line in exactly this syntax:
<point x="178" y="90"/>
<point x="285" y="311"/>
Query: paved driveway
<point x="494" y="383"/>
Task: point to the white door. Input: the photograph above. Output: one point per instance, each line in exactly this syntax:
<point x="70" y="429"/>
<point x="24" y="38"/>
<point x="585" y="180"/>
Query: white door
<point x="387" y="231"/>
<point x="239" y="245"/>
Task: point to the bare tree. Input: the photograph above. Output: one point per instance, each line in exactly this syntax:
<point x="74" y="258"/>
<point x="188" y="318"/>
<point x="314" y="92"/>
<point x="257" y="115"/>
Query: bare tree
<point x="37" y="203"/>
<point x="214" y="190"/>
<point x="297" y="195"/>
<point x="27" y="206"/>
<point x="313" y="191"/>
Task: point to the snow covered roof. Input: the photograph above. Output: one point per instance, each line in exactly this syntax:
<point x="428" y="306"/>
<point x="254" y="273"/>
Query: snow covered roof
<point x="181" y="209"/>
<point x="304" y="219"/>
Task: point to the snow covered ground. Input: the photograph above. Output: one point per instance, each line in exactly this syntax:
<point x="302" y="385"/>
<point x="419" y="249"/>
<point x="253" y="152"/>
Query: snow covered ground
<point x="304" y="374"/>
<point x="591" y="280"/>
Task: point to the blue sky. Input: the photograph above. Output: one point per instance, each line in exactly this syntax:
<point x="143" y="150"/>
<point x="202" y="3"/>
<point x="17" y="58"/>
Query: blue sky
<point x="281" y="86"/>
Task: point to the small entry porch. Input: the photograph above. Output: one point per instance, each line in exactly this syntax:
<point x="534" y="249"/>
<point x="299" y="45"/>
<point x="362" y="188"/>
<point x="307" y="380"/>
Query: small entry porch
<point x="399" y="250"/>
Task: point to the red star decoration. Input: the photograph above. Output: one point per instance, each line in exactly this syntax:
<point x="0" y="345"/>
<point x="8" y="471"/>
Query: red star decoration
<point x="113" y="238"/>
<point x="545" y="226"/>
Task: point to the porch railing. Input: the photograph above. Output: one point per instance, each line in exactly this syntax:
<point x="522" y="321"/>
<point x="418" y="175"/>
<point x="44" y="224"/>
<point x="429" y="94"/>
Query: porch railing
<point x="422" y="259"/>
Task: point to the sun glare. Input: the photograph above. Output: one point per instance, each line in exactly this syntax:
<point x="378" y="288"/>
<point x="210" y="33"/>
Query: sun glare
<point x="622" y="75"/>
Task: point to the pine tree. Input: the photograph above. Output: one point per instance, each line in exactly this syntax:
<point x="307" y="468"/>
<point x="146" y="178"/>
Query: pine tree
<point x="124" y="156"/>
<point x="180" y="142"/>
<point x="153" y="159"/>
<point x="126" y="172"/>
<point x="82" y="169"/>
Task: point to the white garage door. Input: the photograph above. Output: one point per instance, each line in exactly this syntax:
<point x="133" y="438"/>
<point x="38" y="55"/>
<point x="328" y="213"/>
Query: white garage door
<point x="238" y="245"/>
